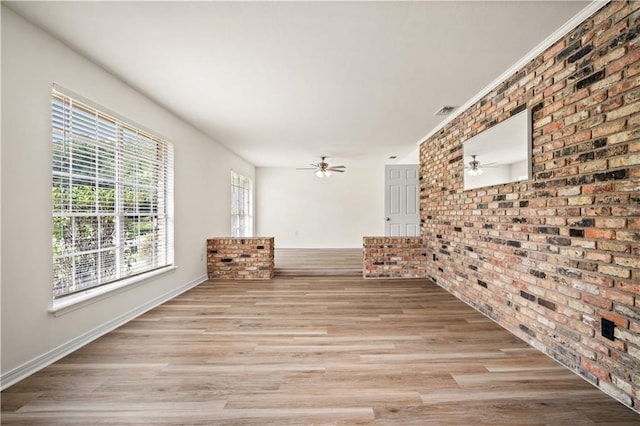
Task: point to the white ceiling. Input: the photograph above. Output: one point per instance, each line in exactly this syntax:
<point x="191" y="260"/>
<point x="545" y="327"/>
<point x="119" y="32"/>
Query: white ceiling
<point x="282" y="83"/>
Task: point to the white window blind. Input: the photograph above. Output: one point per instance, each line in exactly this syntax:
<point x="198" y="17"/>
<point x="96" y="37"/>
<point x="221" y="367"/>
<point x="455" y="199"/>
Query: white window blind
<point x="241" y="206"/>
<point x="112" y="196"/>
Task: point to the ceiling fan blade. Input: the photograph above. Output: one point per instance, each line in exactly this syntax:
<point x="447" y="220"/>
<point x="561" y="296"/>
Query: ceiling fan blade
<point x="324" y="167"/>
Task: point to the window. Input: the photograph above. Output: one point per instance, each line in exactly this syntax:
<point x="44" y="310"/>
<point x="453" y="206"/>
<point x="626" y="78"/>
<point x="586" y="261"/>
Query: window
<point x="112" y="194"/>
<point x="241" y="206"/>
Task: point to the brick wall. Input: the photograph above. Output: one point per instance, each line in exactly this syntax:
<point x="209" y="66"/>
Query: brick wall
<point x="550" y="257"/>
<point x="240" y="258"/>
<point x="394" y="257"/>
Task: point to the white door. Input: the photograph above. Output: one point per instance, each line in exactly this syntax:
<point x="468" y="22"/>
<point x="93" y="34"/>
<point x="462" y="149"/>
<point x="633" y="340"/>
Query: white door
<point x="402" y="201"/>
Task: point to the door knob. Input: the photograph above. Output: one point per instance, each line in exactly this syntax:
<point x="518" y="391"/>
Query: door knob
<point x="388" y="219"/>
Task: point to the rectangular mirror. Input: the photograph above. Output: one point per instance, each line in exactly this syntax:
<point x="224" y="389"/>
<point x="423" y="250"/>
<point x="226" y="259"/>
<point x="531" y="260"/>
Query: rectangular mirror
<point x="501" y="154"/>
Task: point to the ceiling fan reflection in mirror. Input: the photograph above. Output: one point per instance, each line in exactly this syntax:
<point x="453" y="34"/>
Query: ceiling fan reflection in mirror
<point x="323" y="169"/>
<point x="474" y="168"/>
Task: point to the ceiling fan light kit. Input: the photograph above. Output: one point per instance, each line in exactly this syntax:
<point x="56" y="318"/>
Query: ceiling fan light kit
<point x="476" y="172"/>
<point x="474" y="167"/>
<point x="322" y="169"/>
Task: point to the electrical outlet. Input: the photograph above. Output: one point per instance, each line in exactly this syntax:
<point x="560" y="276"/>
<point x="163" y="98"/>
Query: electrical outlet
<point x="608" y="329"/>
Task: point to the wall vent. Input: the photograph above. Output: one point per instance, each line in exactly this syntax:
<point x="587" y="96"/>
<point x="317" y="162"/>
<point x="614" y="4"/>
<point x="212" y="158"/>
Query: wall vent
<point x="445" y="110"/>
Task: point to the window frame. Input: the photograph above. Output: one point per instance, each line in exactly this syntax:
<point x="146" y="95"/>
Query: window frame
<point x="150" y="183"/>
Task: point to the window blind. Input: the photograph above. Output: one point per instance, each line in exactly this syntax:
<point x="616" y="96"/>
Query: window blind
<point x="241" y="206"/>
<point x="112" y="194"/>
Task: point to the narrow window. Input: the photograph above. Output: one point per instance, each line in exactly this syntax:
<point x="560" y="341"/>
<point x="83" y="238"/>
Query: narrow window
<point x="241" y="206"/>
<point x="112" y="194"/>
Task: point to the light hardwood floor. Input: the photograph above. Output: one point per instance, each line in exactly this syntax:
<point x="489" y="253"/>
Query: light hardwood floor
<point x="333" y="350"/>
<point x="318" y="262"/>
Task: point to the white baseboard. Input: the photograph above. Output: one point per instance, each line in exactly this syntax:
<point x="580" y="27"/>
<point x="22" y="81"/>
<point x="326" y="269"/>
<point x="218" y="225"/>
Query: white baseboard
<point x="61" y="351"/>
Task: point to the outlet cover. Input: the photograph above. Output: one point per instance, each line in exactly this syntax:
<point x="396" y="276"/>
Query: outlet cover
<point x="608" y="328"/>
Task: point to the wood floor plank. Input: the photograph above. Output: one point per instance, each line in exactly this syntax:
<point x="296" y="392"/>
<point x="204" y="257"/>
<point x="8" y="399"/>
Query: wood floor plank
<point x="310" y="350"/>
<point x="318" y="262"/>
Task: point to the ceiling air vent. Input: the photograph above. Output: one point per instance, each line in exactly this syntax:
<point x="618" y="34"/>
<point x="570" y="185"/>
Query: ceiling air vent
<point x="445" y="110"/>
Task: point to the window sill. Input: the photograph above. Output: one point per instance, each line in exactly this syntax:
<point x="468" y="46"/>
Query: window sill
<point x="79" y="300"/>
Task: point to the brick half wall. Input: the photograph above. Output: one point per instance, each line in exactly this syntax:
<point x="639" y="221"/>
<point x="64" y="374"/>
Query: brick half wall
<point x="394" y="257"/>
<point x="240" y="258"/>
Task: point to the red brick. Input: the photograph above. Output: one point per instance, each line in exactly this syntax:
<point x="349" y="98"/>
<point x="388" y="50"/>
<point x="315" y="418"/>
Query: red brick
<point x="618" y="222"/>
<point x="610" y="127"/>
<point x="595" y="369"/>
<point x="618" y="296"/>
<point x="552" y="127"/>
<point x="598" y="347"/>
<point x="591" y="122"/>
<point x="597" y="302"/>
<point x="621" y="87"/>
<point x="600" y="234"/>
<point x="615" y="271"/>
<point x="592" y="100"/>
<point x="628" y="287"/>
<point x="625" y="111"/>
<point x="629" y="58"/>
<point x="555" y="106"/>
<point x="598" y="188"/>
<point x="630" y="262"/>
<point x="611" y="104"/>
<point x="607" y="82"/>
<point x="577" y="96"/>
<point x="599" y="256"/>
<point x="578" y="137"/>
<point x="612" y="55"/>
<point x="628" y="236"/>
<point x="580" y="201"/>
<point x="632" y="96"/>
<point x="633" y="70"/>
<point x="620" y="321"/>
<point x="629" y="160"/>
<point x="555" y="88"/>
<point x="613" y="246"/>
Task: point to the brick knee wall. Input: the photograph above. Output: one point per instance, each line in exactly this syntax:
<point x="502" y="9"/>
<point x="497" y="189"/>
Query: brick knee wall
<point x="550" y="257"/>
<point x="240" y="258"/>
<point x="394" y="257"/>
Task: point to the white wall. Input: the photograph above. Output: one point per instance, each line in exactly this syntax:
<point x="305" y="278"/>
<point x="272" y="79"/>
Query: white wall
<point x="31" y="62"/>
<point x="411" y="158"/>
<point x="302" y="211"/>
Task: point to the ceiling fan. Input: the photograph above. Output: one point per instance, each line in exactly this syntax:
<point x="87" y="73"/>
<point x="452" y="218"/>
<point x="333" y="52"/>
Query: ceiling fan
<point x="322" y="169"/>
<point x="474" y="168"/>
